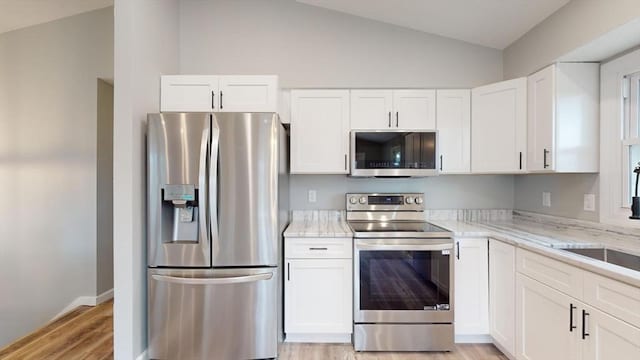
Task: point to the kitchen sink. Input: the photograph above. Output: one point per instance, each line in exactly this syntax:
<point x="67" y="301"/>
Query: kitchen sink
<point x="612" y="256"/>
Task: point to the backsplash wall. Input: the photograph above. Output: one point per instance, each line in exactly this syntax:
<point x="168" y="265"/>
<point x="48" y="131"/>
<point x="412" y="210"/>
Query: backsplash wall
<point x="441" y="192"/>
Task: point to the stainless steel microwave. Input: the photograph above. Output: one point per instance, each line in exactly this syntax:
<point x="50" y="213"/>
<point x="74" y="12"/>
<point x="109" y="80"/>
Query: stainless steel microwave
<point x="394" y="153"/>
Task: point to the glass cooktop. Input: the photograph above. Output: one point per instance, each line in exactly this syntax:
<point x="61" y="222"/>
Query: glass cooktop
<point x="395" y="226"/>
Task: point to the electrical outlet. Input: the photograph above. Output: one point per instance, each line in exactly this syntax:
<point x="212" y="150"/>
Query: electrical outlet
<point x="312" y="196"/>
<point x="546" y="199"/>
<point x="589" y="202"/>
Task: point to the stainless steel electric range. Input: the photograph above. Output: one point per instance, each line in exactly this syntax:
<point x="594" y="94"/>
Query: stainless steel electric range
<point x="403" y="275"/>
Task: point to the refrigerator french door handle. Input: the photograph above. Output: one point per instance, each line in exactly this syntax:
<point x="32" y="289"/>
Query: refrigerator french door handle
<point x="213" y="185"/>
<point x="202" y="194"/>
<point x="213" y="280"/>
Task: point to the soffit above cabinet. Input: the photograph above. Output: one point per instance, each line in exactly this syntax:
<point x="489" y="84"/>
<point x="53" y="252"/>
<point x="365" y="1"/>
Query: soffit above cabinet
<point x="490" y="23"/>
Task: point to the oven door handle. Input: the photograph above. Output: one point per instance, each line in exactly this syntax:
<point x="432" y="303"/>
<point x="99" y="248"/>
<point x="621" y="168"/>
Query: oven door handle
<point x="405" y="247"/>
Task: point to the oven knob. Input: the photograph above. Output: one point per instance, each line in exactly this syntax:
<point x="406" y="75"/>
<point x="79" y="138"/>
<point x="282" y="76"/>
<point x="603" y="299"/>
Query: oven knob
<point x="418" y="200"/>
<point x="409" y="200"/>
<point x="363" y="200"/>
<point x="353" y="200"/>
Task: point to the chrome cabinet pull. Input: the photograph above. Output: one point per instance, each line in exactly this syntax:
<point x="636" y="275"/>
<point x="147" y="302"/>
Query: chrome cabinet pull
<point x="571" y="326"/>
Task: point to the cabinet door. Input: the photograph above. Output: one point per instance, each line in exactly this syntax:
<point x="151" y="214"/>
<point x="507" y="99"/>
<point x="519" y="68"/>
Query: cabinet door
<point x="609" y="338"/>
<point x="543" y="317"/>
<point x="371" y="109"/>
<point x="414" y="109"/>
<point x="319" y="131"/>
<point x="541" y="106"/>
<point x="249" y="93"/>
<point x="502" y="283"/>
<point x="498" y="129"/>
<point x="318" y="296"/>
<point x="454" y="130"/>
<point x="472" y="287"/>
<point x="182" y="93"/>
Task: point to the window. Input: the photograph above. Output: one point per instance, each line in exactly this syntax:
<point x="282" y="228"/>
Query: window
<point x="631" y="134"/>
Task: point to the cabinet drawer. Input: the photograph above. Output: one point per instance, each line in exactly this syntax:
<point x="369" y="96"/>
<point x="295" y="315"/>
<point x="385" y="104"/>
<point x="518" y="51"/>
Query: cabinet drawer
<point x="556" y="274"/>
<point x="318" y="248"/>
<point x="613" y="297"/>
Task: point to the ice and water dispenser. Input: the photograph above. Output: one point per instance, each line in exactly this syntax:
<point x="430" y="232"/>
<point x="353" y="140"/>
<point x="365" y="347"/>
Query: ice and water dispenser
<point x="180" y="211"/>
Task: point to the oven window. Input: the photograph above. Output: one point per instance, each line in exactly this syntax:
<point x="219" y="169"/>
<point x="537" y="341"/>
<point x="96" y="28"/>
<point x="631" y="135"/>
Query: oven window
<point x="395" y="150"/>
<point x="403" y="280"/>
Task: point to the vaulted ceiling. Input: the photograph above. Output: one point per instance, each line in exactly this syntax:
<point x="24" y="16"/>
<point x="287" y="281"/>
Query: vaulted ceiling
<point x="16" y="14"/>
<point x="491" y="23"/>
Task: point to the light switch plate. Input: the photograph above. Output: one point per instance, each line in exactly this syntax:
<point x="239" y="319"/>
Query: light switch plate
<point x="312" y="196"/>
<point x="546" y="199"/>
<point x="589" y="202"/>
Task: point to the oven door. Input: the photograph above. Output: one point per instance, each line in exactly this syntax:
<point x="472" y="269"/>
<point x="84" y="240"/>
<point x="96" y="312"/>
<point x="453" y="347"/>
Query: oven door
<point x="403" y="281"/>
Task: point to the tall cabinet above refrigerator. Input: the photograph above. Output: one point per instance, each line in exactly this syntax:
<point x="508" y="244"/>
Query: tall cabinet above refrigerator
<point x="215" y="217"/>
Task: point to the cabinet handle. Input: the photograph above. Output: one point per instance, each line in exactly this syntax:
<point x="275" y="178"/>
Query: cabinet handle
<point x="571" y="326"/>
<point x="397" y="119"/>
<point x="221" y="100"/>
<point x="345" y="162"/>
<point x="213" y="100"/>
<point x="288" y="271"/>
<point x="545" y="158"/>
<point x="389" y="118"/>
<point x="520" y="160"/>
<point x="319" y="248"/>
<point x="584" y="324"/>
<point x="440" y="162"/>
<point x="458" y="250"/>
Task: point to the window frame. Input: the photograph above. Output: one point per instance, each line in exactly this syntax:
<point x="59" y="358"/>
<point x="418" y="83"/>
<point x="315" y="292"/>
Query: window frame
<point x="619" y="129"/>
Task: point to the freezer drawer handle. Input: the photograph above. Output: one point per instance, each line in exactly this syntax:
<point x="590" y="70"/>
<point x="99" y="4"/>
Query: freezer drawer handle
<point x="213" y="281"/>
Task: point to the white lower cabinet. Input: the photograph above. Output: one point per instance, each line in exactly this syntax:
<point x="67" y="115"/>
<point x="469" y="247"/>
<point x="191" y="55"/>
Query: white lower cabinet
<point x="318" y="292"/>
<point x="471" y="289"/>
<point x="502" y="271"/>
<point x="543" y="316"/>
<point x="609" y="338"/>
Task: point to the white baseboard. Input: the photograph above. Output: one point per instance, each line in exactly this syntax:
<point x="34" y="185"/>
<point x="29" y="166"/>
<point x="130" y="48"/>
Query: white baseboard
<point x="474" y="339"/>
<point x="86" y="301"/>
<point x="144" y="355"/>
<point x="318" y="338"/>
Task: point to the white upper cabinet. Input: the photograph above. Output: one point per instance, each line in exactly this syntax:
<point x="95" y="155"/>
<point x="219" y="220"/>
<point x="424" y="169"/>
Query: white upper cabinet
<point x="371" y="109"/>
<point x="179" y="93"/>
<point x="319" y="131"/>
<point x="414" y="109"/>
<point x="498" y="129"/>
<point x="563" y="123"/>
<point x="393" y="109"/>
<point x="249" y="93"/>
<point x="228" y="93"/>
<point x="454" y="130"/>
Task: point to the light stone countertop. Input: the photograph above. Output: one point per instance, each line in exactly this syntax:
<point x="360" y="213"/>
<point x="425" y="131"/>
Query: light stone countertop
<point x="538" y="233"/>
<point x="318" y="223"/>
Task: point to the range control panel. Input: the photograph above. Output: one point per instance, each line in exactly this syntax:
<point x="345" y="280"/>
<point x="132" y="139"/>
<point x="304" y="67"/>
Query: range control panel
<point x="385" y="202"/>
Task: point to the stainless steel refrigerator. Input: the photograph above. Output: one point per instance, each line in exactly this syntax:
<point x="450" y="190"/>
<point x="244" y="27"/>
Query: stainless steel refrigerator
<point x="216" y="209"/>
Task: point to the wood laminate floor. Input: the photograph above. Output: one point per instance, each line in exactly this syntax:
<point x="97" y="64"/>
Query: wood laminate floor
<point x="84" y="333"/>
<point x="87" y="333"/>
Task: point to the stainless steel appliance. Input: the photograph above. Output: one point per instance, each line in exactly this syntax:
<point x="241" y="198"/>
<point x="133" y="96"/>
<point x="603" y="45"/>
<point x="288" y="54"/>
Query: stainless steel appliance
<point x="216" y="209"/>
<point x="403" y="275"/>
<point x="394" y="153"/>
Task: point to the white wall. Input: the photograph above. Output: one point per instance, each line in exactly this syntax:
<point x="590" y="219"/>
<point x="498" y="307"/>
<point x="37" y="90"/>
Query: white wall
<point x="146" y="39"/>
<point x="441" y="192"/>
<point x="574" y="25"/>
<point x="312" y="47"/>
<point x="104" y="167"/>
<point x="48" y="105"/>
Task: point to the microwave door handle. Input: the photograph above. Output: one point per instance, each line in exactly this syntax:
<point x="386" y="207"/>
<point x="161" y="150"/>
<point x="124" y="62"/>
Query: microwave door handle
<point x="202" y="193"/>
<point x="213" y="185"/>
<point x="213" y="280"/>
<point x="405" y="247"/>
